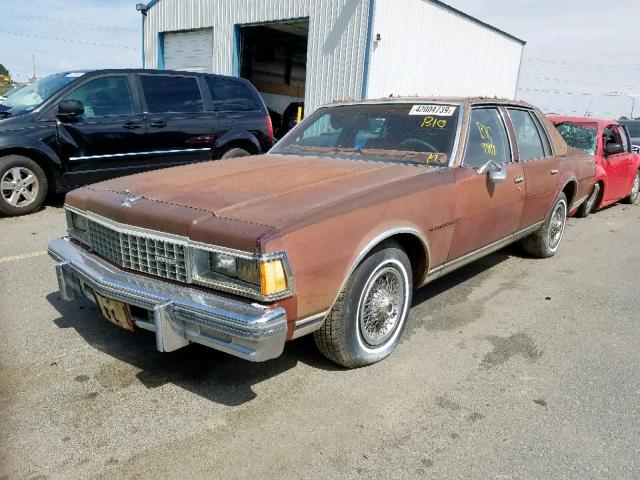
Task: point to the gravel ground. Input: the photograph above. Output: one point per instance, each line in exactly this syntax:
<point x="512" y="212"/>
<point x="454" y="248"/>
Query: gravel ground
<point x="512" y="367"/>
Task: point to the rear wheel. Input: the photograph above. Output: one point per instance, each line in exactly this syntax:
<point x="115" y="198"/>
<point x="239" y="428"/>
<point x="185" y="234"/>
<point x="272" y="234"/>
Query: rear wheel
<point x="635" y="188"/>
<point x="590" y="204"/>
<point x="545" y="241"/>
<point x="23" y="185"/>
<point x="235" y="152"/>
<point x="365" y="324"/>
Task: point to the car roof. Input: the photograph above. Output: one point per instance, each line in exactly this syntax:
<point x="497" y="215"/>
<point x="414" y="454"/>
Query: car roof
<point x="435" y="99"/>
<point x="602" y="123"/>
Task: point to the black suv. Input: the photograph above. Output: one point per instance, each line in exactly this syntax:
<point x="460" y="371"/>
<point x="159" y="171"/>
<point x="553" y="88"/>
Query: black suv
<point x="74" y="128"/>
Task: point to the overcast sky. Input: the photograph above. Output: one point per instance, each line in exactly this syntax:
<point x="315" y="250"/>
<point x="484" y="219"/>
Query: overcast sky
<point x="577" y="52"/>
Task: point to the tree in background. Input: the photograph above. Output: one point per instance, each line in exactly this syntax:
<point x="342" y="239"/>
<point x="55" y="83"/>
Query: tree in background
<point x="3" y="70"/>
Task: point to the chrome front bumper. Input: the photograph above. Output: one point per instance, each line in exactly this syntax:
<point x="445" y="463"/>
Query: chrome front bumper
<point x="177" y="314"/>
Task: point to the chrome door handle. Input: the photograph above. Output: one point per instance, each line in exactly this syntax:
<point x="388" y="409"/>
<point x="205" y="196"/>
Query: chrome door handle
<point x="132" y="125"/>
<point x="518" y="179"/>
<point x="554" y="171"/>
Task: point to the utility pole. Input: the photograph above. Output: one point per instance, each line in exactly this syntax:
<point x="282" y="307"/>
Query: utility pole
<point x="33" y="56"/>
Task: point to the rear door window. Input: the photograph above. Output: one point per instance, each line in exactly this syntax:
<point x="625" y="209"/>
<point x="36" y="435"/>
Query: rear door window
<point x="488" y="139"/>
<point x="165" y="94"/>
<point x="104" y="96"/>
<point x="530" y="144"/>
<point x="230" y="95"/>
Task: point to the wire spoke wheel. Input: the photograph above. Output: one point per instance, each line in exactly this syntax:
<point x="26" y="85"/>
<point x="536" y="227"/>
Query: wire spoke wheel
<point x="19" y="187"/>
<point x="381" y="305"/>
<point x="557" y="224"/>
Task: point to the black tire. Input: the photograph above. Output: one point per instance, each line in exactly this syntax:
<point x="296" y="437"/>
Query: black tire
<point x="347" y="336"/>
<point x="235" y="153"/>
<point x="635" y="188"/>
<point x="23" y="185"/>
<point x="591" y="203"/>
<point x="545" y="241"/>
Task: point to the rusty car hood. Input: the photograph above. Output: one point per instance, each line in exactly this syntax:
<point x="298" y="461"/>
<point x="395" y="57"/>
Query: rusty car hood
<point x="268" y="190"/>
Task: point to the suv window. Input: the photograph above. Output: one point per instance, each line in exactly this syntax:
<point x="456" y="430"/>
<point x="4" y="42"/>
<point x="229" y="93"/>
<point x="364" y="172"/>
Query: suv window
<point x="527" y="135"/>
<point x="231" y="95"/>
<point x="104" y="96"/>
<point x="171" y="94"/>
<point x="488" y="139"/>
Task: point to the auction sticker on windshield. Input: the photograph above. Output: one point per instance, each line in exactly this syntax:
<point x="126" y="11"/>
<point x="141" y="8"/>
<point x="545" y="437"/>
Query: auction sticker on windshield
<point x="440" y="110"/>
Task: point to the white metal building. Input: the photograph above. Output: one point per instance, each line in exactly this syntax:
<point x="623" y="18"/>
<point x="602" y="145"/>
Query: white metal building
<point x="317" y="51"/>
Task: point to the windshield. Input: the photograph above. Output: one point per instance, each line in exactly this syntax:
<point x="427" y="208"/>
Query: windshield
<point x="580" y="135"/>
<point x="633" y="127"/>
<point x="32" y="96"/>
<point x="398" y="133"/>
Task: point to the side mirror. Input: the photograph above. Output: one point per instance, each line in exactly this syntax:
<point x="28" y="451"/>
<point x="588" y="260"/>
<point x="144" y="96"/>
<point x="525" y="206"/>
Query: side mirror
<point x="69" y="109"/>
<point x="613" y="148"/>
<point x="496" y="172"/>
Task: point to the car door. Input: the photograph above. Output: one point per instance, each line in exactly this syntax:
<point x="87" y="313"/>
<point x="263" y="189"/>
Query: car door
<point x="542" y="170"/>
<point x="618" y="165"/>
<point x="179" y="127"/>
<point x="108" y="139"/>
<point x="486" y="211"/>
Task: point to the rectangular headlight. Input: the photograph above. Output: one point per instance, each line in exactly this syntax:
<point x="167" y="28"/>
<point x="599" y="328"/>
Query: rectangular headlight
<point x="254" y="276"/>
<point x="224" y="264"/>
<point x="77" y="225"/>
<point x="79" y="222"/>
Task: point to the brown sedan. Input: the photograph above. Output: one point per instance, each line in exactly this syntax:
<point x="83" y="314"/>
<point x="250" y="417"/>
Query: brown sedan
<point x="328" y="233"/>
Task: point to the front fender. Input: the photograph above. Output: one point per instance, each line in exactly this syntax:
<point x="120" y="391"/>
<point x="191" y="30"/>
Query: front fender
<point x="14" y="145"/>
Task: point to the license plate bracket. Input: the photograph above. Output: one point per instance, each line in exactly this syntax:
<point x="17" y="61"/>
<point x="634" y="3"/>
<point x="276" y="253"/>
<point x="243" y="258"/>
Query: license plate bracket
<point x="115" y="311"/>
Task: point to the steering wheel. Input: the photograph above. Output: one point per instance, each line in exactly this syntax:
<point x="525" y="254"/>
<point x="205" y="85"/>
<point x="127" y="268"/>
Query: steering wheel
<point x="409" y="142"/>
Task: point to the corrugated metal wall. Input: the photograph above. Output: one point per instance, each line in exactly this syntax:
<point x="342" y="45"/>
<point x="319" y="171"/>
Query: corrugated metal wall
<point x="336" y="45"/>
<point x="427" y="49"/>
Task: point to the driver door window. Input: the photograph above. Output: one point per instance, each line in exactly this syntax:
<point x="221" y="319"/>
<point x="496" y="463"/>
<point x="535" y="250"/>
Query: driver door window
<point x="488" y="139"/>
<point x="104" y="96"/>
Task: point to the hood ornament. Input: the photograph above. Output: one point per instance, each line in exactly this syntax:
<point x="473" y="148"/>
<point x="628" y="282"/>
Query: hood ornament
<point x="129" y="199"/>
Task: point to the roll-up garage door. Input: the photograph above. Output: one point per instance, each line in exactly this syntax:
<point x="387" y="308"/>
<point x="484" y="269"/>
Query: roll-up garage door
<point x="192" y="51"/>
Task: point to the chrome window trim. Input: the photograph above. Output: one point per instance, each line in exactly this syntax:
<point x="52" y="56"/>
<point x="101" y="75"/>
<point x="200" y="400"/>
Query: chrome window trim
<point x="539" y="125"/>
<point x="487" y="106"/>
<point x="189" y="247"/>
<point x="134" y="154"/>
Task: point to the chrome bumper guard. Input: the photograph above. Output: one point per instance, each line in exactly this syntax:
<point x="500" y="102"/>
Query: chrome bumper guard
<point x="177" y="314"/>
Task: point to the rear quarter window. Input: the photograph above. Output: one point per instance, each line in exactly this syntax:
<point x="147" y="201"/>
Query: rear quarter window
<point x="229" y="95"/>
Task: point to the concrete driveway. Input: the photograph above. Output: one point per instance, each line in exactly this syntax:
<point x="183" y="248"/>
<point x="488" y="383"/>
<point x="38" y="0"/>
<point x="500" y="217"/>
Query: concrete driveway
<point x="509" y="368"/>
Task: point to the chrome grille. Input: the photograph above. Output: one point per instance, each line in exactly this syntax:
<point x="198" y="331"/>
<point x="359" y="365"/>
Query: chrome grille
<point x="136" y="252"/>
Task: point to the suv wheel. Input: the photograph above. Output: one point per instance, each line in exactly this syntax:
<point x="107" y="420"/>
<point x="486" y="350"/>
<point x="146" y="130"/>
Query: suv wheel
<point x="365" y="324"/>
<point x="23" y="185"/>
<point x="235" y="152"/>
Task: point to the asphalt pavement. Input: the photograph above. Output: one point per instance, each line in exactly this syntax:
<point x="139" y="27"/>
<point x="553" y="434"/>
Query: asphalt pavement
<point x="510" y="368"/>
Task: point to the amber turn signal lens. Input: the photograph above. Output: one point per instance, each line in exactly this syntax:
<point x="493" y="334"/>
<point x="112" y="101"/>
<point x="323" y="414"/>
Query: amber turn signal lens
<point x="272" y="277"/>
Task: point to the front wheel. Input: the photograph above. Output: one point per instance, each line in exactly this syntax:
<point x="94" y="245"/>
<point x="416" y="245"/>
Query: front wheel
<point x="545" y="241"/>
<point x="635" y="188"/>
<point x="365" y="324"/>
<point x="23" y="185"/>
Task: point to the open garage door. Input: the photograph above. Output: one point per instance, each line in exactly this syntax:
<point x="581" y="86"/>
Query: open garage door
<point x="191" y="51"/>
<point x="273" y="56"/>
